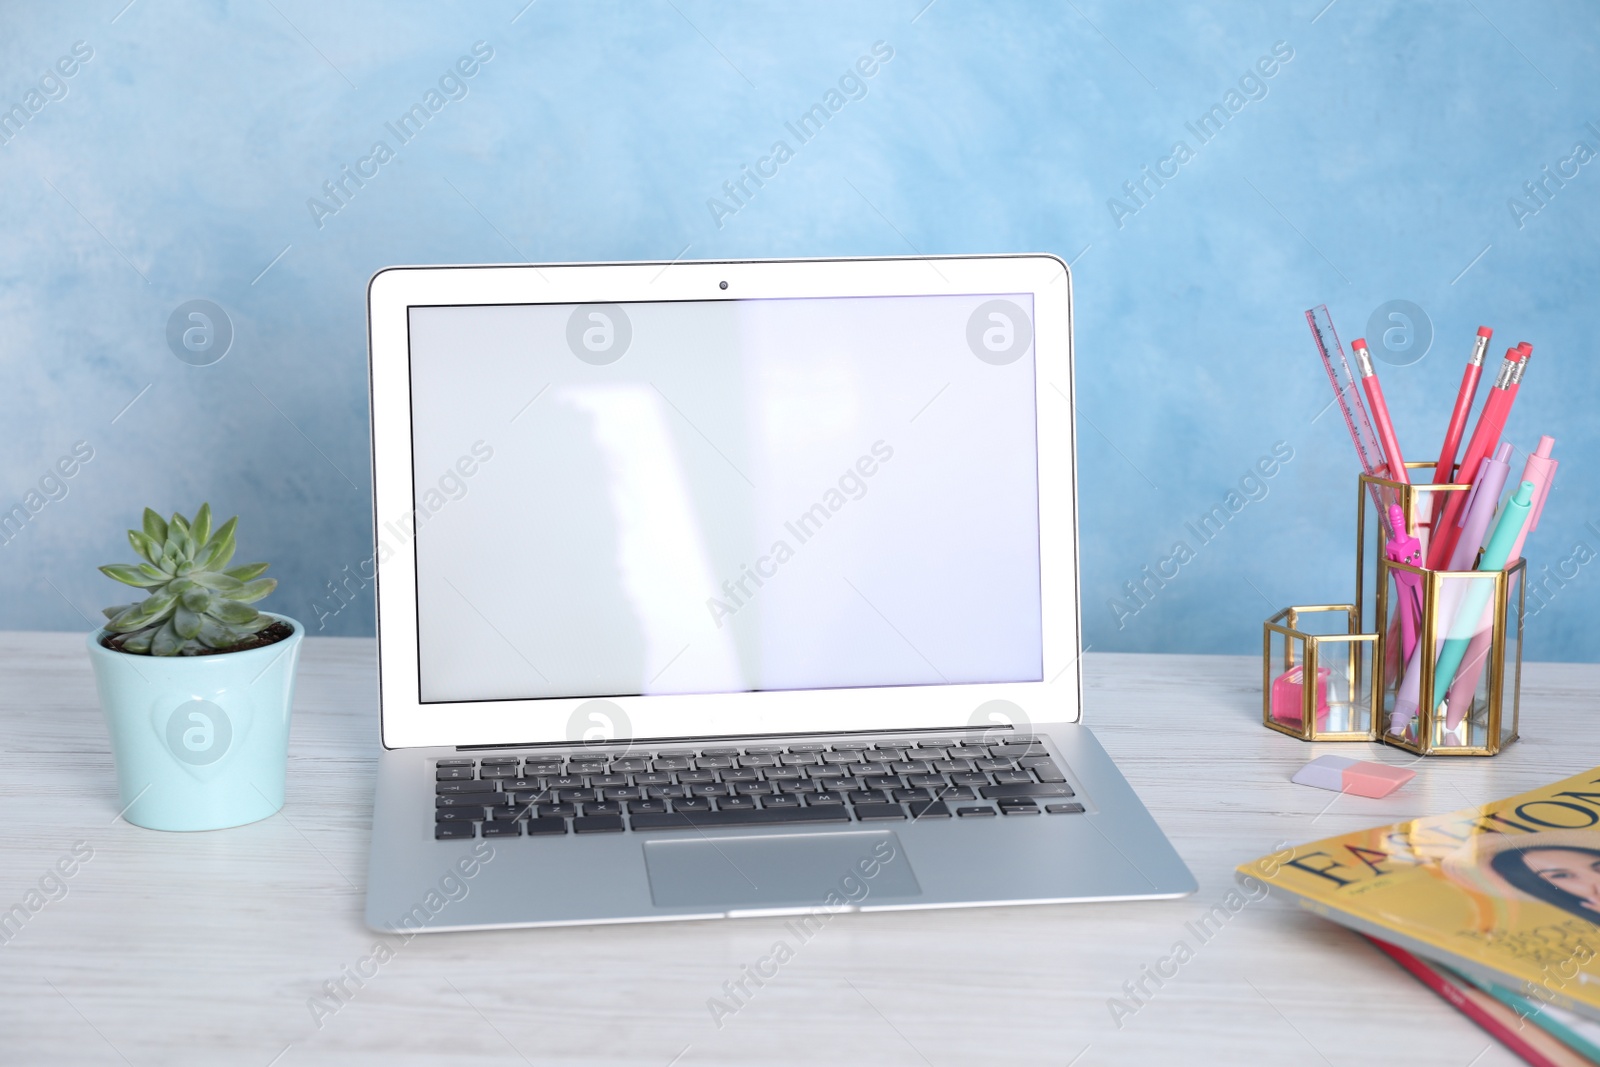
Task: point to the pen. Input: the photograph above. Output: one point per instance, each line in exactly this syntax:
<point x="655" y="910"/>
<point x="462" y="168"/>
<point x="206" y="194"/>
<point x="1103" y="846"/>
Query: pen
<point x="1405" y="548"/>
<point x="1380" y="414"/>
<point x="1444" y="470"/>
<point x="1541" y="471"/>
<point x="1475" y="519"/>
<point x="1495" y="554"/>
<point x="1484" y="438"/>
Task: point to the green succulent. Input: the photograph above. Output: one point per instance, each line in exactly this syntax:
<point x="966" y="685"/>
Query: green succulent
<point x="192" y="604"/>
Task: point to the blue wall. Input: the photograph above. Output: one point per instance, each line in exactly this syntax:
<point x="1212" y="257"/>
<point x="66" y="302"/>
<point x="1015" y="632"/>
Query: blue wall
<point x="1379" y="161"/>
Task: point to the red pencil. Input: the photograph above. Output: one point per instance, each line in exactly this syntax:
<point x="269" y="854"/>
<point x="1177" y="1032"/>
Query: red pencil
<point x="1380" y="414"/>
<point x="1444" y="470"/>
<point x="1485" y="436"/>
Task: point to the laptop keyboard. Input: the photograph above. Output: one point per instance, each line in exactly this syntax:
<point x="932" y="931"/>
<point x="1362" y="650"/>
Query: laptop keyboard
<point x="592" y="791"/>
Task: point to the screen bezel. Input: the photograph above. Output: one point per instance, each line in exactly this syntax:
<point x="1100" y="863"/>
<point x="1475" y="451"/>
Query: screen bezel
<point x="407" y="722"/>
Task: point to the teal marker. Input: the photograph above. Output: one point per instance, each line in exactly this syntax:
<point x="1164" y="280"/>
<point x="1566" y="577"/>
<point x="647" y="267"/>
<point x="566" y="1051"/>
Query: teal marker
<point x="1494" y="558"/>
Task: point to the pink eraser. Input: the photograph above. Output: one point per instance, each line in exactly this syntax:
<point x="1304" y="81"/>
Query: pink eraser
<point x="1359" y="342"/>
<point x="1484" y="331"/>
<point x="1368" y="779"/>
<point x="1361" y="778"/>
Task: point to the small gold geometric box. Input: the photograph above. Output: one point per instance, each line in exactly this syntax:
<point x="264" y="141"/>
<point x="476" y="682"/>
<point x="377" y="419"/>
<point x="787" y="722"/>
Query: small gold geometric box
<point x="1317" y="673"/>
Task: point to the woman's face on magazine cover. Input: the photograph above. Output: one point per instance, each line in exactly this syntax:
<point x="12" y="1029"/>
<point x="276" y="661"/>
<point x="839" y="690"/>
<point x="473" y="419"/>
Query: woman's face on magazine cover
<point x="1568" y="869"/>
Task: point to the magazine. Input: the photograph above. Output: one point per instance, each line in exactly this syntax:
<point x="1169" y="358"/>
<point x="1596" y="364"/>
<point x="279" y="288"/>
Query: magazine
<point x="1506" y="1024"/>
<point x="1508" y="893"/>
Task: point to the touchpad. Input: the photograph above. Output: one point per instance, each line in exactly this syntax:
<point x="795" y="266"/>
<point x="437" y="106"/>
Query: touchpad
<point x="779" y="870"/>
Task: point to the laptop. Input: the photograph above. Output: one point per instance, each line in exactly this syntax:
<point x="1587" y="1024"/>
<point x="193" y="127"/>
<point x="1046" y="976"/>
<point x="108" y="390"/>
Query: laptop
<point x="708" y="589"/>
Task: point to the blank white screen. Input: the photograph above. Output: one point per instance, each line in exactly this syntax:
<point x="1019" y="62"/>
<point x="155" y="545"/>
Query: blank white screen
<point x="756" y="495"/>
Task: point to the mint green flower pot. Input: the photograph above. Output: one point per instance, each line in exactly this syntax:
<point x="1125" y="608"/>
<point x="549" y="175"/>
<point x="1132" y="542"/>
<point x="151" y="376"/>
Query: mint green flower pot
<point x="201" y="742"/>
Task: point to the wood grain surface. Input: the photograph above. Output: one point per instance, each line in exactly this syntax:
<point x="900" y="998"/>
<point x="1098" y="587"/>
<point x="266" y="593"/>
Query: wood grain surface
<point x="210" y="948"/>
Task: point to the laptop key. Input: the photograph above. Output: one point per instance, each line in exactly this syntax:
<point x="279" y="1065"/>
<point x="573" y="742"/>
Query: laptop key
<point x="825" y="799"/>
<point x="736" y="803"/>
<point x="1012" y="777"/>
<point x="452" y="774"/>
<point x="502" y="828"/>
<point x="975" y="809"/>
<point x="458" y="788"/>
<point x="782" y="800"/>
<point x="1064" y="809"/>
<point x="883" y="781"/>
<point x="607" y="807"/>
<point x="601" y="824"/>
<point x="453" y="763"/>
<point x="444" y="831"/>
<point x="692" y="804"/>
<point x="556" y="811"/>
<point x="969" y="778"/>
<point x="646" y="807"/>
<point x="457" y="814"/>
<point x="542" y="768"/>
<point x="711" y="820"/>
<point x="932" y="781"/>
<point x="869" y="796"/>
<point x="628" y="766"/>
<point x="873" y="812"/>
<point x="608" y="781"/>
<point x="1039" y="789"/>
<point x="479" y="800"/>
<point x="912" y="794"/>
<point x="808" y="748"/>
<point x="550" y="826"/>
<point x="929" y="809"/>
<point x="1043" y="769"/>
<point x="763" y="750"/>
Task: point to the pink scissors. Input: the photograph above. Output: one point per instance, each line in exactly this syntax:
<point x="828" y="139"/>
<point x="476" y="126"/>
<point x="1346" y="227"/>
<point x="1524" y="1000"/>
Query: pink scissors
<point x="1405" y="548"/>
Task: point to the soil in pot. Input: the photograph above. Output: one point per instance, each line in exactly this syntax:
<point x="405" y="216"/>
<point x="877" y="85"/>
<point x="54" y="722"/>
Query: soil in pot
<point x="270" y="636"/>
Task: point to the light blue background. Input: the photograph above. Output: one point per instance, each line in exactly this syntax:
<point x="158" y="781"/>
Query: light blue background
<point x="1378" y="166"/>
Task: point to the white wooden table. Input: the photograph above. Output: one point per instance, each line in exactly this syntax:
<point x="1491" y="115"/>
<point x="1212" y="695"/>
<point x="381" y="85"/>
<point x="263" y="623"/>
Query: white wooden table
<point x="206" y="948"/>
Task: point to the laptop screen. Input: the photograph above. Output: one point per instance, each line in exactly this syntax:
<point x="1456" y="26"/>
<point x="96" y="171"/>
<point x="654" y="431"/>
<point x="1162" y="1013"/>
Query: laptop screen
<point x="723" y="496"/>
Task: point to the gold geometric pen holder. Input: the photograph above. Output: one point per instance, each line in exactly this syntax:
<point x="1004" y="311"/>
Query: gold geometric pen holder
<point x="1471" y="624"/>
<point x="1317" y="673"/>
<point x="1360" y="672"/>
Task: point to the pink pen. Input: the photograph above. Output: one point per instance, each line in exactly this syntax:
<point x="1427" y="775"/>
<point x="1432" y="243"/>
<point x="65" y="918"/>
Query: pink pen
<point x="1541" y="471"/>
<point x="1404" y="548"/>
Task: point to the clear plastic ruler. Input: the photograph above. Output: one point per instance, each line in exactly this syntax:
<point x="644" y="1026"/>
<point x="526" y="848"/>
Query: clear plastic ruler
<point x="1348" y="395"/>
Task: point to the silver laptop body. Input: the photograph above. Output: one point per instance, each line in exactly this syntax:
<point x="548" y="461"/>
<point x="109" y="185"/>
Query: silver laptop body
<point x="743" y="588"/>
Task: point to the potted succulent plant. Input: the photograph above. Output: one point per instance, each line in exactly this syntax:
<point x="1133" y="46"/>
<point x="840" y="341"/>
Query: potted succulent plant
<point x="195" y="683"/>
